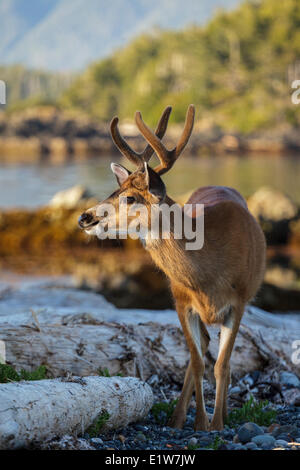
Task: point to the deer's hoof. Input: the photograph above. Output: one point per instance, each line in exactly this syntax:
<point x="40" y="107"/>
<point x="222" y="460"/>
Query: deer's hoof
<point x="201" y="424"/>
<point x="176" y="422"/>
<point x="216" y="426"/>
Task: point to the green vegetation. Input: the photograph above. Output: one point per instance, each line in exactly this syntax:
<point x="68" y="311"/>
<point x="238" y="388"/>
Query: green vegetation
<point x="163" y="411"/>
<point x="234" y="70"/>
<point x="217" y="442"/>
<point x="252" y="411"/>
<point x="105" y="373"/>
<point x="9" y="374"/>
<point x="95" y="428"/>
<point x="27" y="88"/>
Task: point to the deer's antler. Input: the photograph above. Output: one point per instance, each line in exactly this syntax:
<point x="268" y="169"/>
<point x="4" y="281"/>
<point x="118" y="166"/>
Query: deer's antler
<point x="167" y="157"/>
<point x="136" y="158"/>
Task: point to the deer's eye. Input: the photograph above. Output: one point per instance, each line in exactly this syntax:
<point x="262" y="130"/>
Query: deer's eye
<point x="130" y="199"/>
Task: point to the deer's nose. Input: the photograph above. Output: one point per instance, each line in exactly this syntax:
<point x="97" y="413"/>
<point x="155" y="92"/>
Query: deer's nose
<point x="85" y="219"/>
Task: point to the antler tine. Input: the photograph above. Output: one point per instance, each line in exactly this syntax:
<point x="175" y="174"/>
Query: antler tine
<point x="167" y="157"/>
<point x="187" y="130"/>
<point x="122" y="145"/>
<point x="159" y="132"/>
<point x="139" y="158"/>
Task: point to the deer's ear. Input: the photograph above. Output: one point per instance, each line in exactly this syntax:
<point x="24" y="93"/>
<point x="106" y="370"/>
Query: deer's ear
<point x="155" y="184"/>
<point x="120" y="172"/>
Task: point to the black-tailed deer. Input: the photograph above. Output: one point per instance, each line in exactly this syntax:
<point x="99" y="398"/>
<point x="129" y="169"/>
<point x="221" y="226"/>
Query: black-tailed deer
<point x="210" y="285"/>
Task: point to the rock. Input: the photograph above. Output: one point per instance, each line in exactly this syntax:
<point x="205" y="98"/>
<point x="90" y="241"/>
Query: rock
<point x="265" y="441"/>
<point x="251" y="446"/>
<point x="292" y="396"/>
<point x="281" y="443"/>
<point x="67" y="443"/>
<point x="71" y="198"/>
<point x="154" y="380"/>
<point x="237" y="446"/>
<point x="295" y="232"/>
<point x="96" y="440"/>
<point x="273" y="298"/>
<point x="248" y="380"/>
<point x="271" y="204"/>
<point x="204" y="441"/>
<point x="271" y="429"/>
<point x="192" y="442"/>
<point x="141" y="437"/>
<point x="235" y="390"/>
<point x="247" y="431"/>
<point x="288" y="429"/>
<point x="274" y="210"/>
<point x="289" y="379"/>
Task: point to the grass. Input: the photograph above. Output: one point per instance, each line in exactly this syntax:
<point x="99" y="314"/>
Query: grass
<point x="9" y="374"/>
<point x="163" y="411"/>
<point x="105" y="373"/>
<point x="217" y="442"/>
<point x="252" y="411"/>
<point x="95" y="428"/>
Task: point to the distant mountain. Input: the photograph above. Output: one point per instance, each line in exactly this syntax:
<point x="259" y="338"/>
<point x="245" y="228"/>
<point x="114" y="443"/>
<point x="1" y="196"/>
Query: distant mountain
<point x="68" y="34"/>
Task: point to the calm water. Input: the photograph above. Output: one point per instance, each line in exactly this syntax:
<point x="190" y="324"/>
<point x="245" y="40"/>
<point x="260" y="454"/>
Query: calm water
<point x="30" y="186"/>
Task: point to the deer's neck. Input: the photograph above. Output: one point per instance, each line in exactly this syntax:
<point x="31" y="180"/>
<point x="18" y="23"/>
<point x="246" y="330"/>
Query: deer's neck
<point x="171" y="256"/>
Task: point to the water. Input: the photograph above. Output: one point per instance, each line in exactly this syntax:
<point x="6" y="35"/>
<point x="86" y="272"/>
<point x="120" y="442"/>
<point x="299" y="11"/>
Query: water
<point x="31" y="186"/>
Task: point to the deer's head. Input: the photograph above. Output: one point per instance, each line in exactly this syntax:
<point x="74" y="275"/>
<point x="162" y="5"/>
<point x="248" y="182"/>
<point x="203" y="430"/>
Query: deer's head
<point x="143" y="187"/>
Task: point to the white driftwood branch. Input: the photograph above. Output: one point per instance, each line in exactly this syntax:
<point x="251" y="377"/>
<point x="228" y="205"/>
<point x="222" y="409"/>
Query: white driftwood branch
<point x="41" y="410"/>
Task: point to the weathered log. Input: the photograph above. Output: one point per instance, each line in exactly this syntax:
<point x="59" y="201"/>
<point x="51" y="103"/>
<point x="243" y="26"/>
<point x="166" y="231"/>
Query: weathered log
<point x="82" y="345"/>
<point x="46" y="324"/>
<point x="83" y="348"/>
<point x="42" y="410"/>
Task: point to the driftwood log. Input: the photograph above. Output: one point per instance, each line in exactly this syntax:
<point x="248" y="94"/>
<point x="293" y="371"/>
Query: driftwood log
<point x="81" y="345"/>
<point x="79" y="332"/>
<point x="32" y="412"/>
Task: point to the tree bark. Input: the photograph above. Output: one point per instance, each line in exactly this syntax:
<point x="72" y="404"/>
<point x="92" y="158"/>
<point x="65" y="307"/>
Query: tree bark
<point x="32" y="412"/>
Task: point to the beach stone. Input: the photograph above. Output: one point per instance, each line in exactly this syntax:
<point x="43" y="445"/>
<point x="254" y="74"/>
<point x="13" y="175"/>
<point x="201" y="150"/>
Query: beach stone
<point x="96" y="440"/>
<point x="192" y="442"/>
<point x="289" y="380"/>
<point x="247" y="431"/>
<point x="265" y="441"/>
<point x="251" y="446"/>
<point x="271" y="204"/>
<point x="287" y="429"/>
<point x="238" y="446"/>
<point x="281" y="443"/>
<point x="71" y="198"/>
<point x="205" y="441"/>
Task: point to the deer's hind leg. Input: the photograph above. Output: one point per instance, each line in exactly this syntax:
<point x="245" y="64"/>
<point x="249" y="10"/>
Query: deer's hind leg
<point x="229" y="330"/>
<point x="197" y="339"/>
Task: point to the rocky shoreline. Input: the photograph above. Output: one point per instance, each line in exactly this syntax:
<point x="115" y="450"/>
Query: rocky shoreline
<point x="281" y="432"/>
<point x="47" y="241"/>
<point x="48" y="134"/>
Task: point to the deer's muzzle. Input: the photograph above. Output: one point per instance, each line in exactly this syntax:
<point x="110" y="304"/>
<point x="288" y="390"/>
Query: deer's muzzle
<point x="87" y="220"/>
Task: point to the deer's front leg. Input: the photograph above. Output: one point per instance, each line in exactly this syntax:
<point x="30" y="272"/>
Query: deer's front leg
<point x="229" y="331"/>
<point x="178" y="417"/>
<point x="197" y="339"/>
